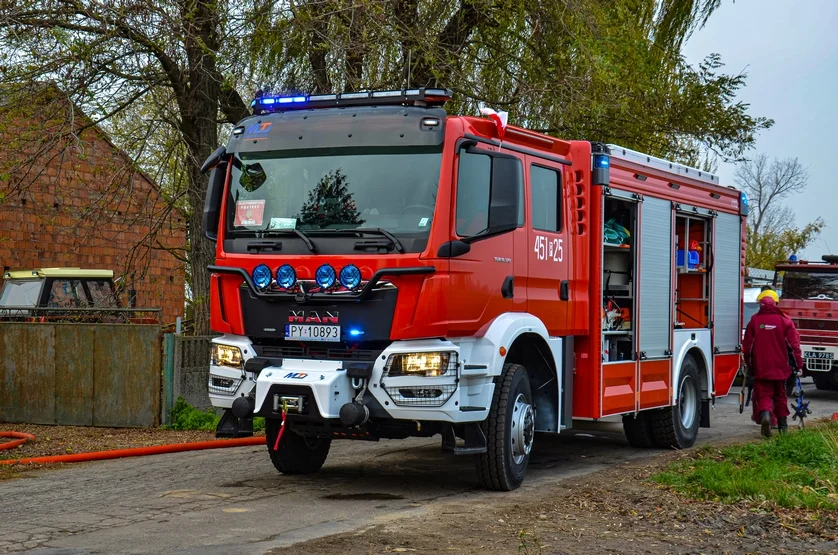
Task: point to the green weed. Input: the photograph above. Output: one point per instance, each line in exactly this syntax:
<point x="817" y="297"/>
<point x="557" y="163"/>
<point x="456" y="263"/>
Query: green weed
<point x="187" y="417"/>
<point x="797" y="470"/>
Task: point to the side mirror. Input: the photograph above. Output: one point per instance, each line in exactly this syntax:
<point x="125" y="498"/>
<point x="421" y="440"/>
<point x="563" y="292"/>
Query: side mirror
<point x="505" y="193"/>
<point x="214" y="158"/>
<point x="212" y="201"/>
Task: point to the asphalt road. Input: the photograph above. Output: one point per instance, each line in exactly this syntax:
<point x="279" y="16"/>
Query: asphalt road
<point x="233" y="501"/>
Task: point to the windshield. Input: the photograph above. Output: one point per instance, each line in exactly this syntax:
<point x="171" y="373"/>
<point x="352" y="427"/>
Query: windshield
<point x="821" y="286"/>
<point x="391" y="189"/>
<point x="19" y="293"/>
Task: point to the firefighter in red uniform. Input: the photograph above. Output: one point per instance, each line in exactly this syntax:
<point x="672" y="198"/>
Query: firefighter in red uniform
<point x="769" y="336"/>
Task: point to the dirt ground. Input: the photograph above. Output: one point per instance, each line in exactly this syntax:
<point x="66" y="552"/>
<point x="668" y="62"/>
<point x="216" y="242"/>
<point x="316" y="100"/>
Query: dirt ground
<point x="614" y="511"/>
<point x="66" y="440"/>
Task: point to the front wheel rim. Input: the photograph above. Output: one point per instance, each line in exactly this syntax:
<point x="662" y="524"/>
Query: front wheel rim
<point x="523" y="428"/>
<point x="687" y="402"/>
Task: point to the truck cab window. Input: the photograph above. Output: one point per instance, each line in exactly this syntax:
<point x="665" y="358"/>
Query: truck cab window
<point x="473" y="187"/>
<point x="545" y="199"/>
<point x="67" y="293"/>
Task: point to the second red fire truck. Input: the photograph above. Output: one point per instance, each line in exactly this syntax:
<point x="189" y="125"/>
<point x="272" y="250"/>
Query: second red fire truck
<point x="810" y="298"/>
<point x="386" y="270"/>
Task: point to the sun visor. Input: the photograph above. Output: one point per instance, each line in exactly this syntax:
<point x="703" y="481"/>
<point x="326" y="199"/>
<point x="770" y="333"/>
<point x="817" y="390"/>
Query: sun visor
<point x="380" y="126"/>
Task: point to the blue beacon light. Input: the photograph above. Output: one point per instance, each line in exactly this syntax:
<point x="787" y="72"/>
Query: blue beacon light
<point x="602" y="162"/>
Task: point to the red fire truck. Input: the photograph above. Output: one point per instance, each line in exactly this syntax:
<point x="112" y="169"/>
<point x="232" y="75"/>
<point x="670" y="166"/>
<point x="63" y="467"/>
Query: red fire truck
<point x="387" y="270"/>
<point x="810" y="298"/>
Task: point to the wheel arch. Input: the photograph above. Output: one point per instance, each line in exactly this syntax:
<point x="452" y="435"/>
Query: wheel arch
<point x="521" y="338"/>
<point x="704" y="371"/>
<point x="533" y="352"/>
<point x="699" y="349"/>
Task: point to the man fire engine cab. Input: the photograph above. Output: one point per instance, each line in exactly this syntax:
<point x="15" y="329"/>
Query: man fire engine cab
<point x="385" y="270"/>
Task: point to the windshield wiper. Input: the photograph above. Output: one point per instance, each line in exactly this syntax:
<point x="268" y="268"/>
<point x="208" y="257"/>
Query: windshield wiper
<point x="370" y="230"/>
<point x="297" y="232"/>
<point x="384" y="232"/>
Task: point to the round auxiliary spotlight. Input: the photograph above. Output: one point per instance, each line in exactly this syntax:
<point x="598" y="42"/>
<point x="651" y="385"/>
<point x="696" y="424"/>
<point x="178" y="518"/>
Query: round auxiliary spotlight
<point x="350" y="276"/>
<point x="286" y="277"/>
<point x="325" y="276"/>
<point x="261" y="276"/>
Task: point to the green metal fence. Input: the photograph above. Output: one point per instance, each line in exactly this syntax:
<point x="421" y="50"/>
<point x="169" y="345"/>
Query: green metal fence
<point x="84" y="374"/>
<point x="186" y="371"/>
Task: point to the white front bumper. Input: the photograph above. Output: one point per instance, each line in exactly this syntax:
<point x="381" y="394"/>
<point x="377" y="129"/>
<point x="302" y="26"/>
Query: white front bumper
<point x="463" y="399"/>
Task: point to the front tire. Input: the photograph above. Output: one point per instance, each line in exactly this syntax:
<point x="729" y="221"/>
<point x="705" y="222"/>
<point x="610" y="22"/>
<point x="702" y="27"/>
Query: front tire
<point x="296" y="454"/>
<point x="677" y="426"/>
<point x="510" y="432"/>
<point x="825" y="383"/>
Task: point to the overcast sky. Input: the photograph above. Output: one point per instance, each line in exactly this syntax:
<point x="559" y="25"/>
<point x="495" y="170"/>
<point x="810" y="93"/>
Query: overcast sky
<point x="789" y="51"/>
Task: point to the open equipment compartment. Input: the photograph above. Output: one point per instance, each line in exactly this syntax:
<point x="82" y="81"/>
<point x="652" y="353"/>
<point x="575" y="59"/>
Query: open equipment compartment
<point x="619" y="268"/>
<point x="693" y="267"/>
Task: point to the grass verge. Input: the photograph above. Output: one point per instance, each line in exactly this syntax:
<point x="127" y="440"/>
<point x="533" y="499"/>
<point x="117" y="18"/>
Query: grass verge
<point x="187" y="417"/>
<point x="795" y="471"/>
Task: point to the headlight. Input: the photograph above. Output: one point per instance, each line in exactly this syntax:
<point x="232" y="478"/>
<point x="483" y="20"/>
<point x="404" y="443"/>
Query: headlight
<point x="422" y="364"/>
<point x="226" y="355"/>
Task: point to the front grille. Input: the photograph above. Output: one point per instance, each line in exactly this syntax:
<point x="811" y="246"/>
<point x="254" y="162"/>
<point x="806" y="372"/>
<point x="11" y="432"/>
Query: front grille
<point x="223" y="385"/>
<point x="434" y="395"/>
<point x="818" y="364"/>
<point x="336" y="351"/>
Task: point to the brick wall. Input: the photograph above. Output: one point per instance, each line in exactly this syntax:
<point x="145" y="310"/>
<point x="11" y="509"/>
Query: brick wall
<point x="73" y="199"/>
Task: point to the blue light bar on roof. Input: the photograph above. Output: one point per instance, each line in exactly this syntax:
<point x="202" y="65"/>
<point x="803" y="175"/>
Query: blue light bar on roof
<point x="416" y="97"/>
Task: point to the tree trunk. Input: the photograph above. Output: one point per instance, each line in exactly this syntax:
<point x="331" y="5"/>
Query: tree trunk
<point x="199" y="123"/>
<point x="201" y="251"/>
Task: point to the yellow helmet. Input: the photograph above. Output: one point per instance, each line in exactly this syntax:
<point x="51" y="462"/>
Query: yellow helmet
<point x="769" y="293"/>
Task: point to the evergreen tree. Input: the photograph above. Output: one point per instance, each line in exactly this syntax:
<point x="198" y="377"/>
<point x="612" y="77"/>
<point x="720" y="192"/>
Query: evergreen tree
<point x="330" y="203"/>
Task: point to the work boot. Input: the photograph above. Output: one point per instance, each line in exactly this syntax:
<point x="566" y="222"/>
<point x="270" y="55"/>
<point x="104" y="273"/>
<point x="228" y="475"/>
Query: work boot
<point x="765" y="423"/>
<point x="782" y="425"/>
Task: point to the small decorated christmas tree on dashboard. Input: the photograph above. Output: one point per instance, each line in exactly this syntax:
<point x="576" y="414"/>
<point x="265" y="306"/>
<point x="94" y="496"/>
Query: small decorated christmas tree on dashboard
<point x="330" y="203"/>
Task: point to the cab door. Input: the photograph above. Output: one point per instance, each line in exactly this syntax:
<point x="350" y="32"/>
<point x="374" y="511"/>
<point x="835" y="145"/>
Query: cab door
<point x="488" y="216"/>
<point x="548" y="288"/>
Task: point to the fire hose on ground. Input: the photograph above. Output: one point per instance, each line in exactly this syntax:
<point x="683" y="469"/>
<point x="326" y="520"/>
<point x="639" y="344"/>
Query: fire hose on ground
<point x="21" y="438"/>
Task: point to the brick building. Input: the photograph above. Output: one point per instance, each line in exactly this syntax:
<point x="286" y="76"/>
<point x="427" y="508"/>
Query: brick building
<point x="69" y="197"/>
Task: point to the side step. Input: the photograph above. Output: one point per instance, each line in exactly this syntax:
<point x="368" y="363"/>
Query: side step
<point x="475" y="442"/>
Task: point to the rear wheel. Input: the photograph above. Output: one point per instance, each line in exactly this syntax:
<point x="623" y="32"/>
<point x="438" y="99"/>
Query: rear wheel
<point x="510" y="432"/>
<point x="296" y="454"/>
<point x="826" y="383"/>
<point x="638" y="429"/>
<point x="677" y="426"/>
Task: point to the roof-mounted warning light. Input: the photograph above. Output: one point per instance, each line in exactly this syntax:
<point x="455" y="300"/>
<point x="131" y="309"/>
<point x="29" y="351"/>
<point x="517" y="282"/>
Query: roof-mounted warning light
<point x="412" y="97"/>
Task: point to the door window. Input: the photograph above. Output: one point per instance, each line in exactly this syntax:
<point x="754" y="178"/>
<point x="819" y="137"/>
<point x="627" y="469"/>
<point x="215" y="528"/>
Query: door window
<point x="101" y="294"/>
<point x="545" y="199"/>
<point x="473" y="187"/>
<point x="67" y="293"/>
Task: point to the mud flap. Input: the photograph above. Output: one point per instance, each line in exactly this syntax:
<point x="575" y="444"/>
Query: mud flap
<point x="475" y="440"/>
<point x="230" y="426"/>
<point x="705" y="414"/>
